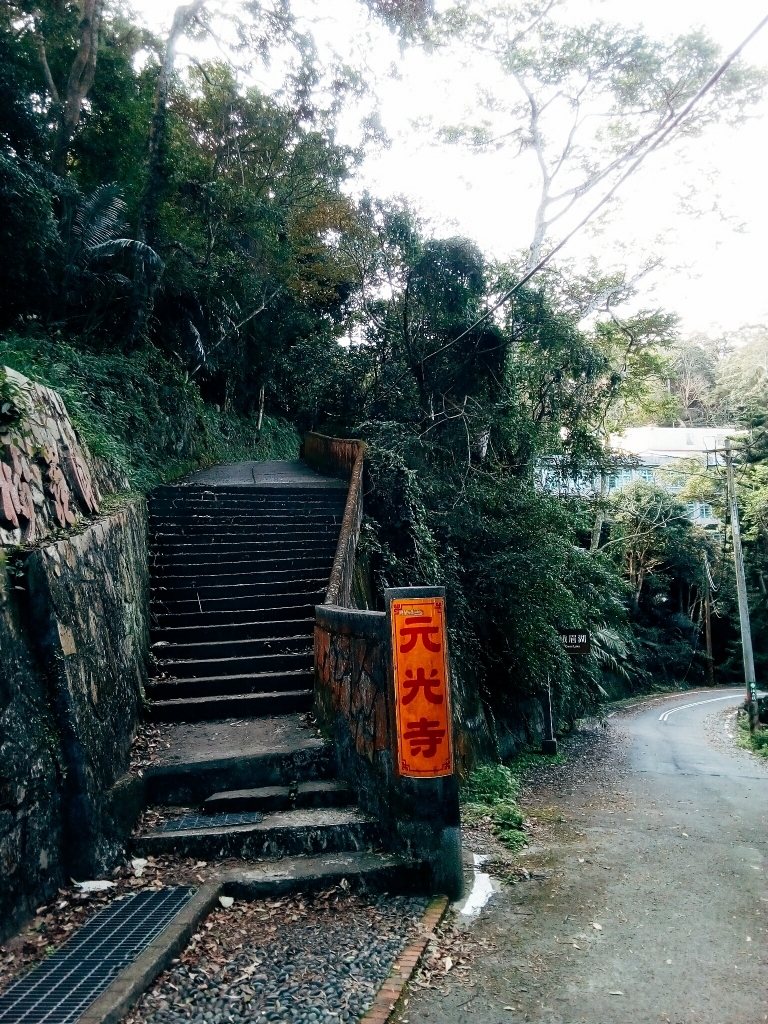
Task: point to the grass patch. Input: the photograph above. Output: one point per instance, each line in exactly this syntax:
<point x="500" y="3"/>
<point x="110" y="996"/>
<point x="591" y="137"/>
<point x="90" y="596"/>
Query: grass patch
<point x="756" y="742"/>
<point x="491" y="791"/>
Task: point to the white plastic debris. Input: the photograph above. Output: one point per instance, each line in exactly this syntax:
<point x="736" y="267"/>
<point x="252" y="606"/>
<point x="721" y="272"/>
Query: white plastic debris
<point x="226" y="901"/>
<point x="95" y="885"/>
<point x="138" y="864"/>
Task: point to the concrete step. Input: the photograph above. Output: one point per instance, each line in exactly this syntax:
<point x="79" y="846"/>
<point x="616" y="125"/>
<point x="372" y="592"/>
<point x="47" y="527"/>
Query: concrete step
<point x="245" y="578"/>
<point x="377" y="872"/>
<point x="196" y="709"/>
<point x="295" y="641"/>
<point x="323" y="793"/>
<point x="201" y="668"/>
<point x="169" y="509"/>
<point x="245" y="566"/>
<point x="246" y="517"/>
<point x="296" y="488"/>
<point x="280" y="833"/>
<point x="213" y="552"/>
<point x="205" y="757"/>
<point x="229" y="611"/>
<point x="273" y="625"/>
<point x="215" y="511"/>
<point x="175" y="689"/>
<point x="273" y="496"/>
<point x="212" y="592"/>
<point x="204" y="533"/>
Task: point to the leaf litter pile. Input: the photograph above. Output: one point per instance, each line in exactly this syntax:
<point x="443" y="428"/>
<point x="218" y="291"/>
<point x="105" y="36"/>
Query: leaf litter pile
<point x="73" y="905"/>
<point x="450" y="956"/>
<point x="304" y="958"/>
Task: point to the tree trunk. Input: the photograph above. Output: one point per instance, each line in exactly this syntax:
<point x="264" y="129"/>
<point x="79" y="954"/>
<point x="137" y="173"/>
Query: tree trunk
<point x="81" y="78"/>
<point x="638" y="590"/>
<point x="153" y="189"/>
<point x="145" y="281"/>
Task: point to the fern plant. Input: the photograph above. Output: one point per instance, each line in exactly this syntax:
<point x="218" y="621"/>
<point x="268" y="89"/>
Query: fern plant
<point x="96" y="236"/>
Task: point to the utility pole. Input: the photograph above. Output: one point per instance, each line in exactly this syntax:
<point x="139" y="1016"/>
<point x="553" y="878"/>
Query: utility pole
<point x="708" y="626"/>
<point x="741" y="591"/>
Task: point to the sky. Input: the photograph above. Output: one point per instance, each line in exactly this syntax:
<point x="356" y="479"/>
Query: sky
<point x="713" y="264"/>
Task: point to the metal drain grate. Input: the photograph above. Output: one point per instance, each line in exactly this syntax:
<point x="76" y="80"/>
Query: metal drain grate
<point x="58" y="990"/>
<point x="195" y="821"/>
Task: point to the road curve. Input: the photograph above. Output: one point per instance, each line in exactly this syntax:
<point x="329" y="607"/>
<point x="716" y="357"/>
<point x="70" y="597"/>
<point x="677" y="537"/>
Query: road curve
<point x="648" y="901"/>
<point x="669" y="740"/>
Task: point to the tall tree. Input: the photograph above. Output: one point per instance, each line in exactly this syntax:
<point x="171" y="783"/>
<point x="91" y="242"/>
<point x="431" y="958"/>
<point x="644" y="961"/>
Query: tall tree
<point x="583" y="101"/>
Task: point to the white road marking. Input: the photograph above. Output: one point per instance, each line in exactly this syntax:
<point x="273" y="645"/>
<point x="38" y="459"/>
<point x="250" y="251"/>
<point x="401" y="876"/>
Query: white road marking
<point x="665" y="716"/>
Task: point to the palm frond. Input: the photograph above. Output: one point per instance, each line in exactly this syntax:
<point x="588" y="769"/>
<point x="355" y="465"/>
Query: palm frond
<point x="118" y="245"/>
<point x="611" y="651"/>
<point x="100" y="217"/>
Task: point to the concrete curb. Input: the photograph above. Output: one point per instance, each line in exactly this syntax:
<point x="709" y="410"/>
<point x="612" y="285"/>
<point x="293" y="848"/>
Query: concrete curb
<point x="385" y="1003"/>
<point x="115" y="1001"/>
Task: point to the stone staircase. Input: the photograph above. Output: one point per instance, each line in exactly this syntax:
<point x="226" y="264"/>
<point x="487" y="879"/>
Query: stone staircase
<point x="236" y="572"/>
<point x="239" y="558"/>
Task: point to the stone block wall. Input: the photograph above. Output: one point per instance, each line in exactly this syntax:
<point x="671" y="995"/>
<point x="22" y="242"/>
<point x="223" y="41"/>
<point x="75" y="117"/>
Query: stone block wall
<point x="31" y="775"/>
<point x="48" y="481"/>
<point x="74" y="641"/>
<point x="74" y="638"/>
<point x="89" y="605"/>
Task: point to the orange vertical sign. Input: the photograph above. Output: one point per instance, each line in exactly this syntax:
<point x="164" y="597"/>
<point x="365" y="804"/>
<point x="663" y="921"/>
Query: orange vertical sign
<point x="421" y="687"/>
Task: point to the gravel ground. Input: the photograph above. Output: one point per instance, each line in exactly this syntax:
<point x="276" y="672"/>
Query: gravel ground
<point x="304" y="959"/>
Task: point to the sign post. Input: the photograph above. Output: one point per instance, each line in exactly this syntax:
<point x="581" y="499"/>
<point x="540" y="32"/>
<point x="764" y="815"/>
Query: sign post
<point x="549" y="743"/>
<point x="422" y="694"/>
<point x="574" y="641"/>
<point x="426" y="783"/>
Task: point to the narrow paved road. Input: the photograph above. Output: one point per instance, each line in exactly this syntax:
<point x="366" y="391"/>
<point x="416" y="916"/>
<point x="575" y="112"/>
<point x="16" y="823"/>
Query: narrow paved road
<point x="658" y="836"/>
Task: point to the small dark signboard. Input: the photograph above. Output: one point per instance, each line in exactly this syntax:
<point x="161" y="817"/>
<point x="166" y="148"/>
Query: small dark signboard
<point x="575" y="641"/>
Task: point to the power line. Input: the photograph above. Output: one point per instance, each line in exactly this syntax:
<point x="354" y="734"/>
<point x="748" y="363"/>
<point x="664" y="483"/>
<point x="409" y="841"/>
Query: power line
<point x="674" y="123"/>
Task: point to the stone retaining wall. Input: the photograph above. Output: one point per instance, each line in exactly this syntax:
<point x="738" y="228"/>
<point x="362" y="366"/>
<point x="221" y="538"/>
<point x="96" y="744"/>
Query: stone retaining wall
<point x="74" y="641"/>
<point x="89" y="607"/>
<point x="31" y="774"/>
<point x="48" y="481"/>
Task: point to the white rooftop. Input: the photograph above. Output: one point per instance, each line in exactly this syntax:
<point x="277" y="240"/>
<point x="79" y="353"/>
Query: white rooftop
<point x="673" y="442"/>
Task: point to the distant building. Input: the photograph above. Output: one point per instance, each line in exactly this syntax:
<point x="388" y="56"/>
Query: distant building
<point x="660" y="448"/>
<point x="656" y="452"/>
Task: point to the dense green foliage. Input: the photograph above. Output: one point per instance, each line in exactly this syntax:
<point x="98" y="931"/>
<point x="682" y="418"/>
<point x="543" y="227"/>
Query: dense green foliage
<point x="138" y="412"/>
<point x="183" y="262"/>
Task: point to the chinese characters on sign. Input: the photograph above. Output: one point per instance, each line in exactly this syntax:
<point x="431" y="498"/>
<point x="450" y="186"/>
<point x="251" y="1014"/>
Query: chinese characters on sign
<point x="421" y="687"/>
<point x="575" y="641"/>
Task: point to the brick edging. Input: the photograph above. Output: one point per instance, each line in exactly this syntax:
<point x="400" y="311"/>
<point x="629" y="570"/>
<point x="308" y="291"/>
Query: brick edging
<point x="387" y="997"/>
